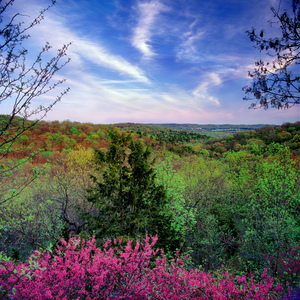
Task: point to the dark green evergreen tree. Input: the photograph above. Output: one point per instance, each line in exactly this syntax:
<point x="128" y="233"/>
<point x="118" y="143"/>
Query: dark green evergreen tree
<point x="128" y="201"/>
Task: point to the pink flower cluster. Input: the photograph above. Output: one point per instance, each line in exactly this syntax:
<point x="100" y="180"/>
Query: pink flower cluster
<point x="80" y="270"/>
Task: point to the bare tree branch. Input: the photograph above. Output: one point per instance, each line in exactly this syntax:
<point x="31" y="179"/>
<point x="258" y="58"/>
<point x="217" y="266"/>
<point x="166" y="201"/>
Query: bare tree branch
<point x="23" y="84"/>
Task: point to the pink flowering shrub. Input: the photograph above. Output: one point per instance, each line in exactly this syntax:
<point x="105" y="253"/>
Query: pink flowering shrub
<point x="79" y="270"/>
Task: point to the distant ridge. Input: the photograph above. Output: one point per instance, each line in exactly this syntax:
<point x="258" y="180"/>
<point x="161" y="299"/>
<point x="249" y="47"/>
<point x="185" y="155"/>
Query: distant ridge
<point x="211" y="127"/>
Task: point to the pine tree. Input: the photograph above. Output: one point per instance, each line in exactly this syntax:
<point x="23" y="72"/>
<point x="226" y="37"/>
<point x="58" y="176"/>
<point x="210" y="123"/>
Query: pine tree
<point x="128" y="202"/>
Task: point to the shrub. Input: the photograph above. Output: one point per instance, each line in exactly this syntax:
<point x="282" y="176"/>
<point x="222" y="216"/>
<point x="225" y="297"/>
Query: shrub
<point x="79" y="270"/>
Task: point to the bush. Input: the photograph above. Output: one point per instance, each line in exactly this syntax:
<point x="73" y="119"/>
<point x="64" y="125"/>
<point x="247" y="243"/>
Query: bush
<point x="79" y="270"/>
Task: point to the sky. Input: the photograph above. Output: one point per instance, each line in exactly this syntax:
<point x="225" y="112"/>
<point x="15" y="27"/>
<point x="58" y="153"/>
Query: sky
<point x="155" y="61"/>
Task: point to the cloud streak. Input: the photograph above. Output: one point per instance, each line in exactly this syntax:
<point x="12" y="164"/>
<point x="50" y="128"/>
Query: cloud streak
<point x="82" y="49"/>
<point x="188" y="48"/>
<point x="101" y="57"/>
<point x="143" y="32"/>
<point x="201" y="91"/>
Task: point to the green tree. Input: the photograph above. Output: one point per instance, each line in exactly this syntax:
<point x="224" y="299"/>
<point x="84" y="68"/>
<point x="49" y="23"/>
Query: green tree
<point x="129" y="202"/>
<point x="277" y="83"/>
<point x="206" y="193"/>
<point x="178" y="206"/>
<point x="267" y="217"/>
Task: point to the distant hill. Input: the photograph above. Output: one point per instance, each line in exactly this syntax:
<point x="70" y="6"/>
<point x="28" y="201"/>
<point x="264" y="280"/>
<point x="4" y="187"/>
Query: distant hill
<point x="212" y="130"/>
<point x="53" y="140"/>
<point x="211" y="127"/>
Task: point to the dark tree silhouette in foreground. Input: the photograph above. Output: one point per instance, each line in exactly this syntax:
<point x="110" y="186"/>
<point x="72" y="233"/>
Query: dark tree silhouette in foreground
<point x="277" y="83"/>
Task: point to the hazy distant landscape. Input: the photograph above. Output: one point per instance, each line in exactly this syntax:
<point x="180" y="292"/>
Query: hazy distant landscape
<point x="212" y="129"/>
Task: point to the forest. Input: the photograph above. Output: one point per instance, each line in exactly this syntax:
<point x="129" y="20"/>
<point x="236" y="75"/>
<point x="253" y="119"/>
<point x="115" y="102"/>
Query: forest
<point x="135" y="211"/>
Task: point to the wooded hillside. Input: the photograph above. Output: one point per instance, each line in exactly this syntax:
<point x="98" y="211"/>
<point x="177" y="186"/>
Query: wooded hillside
<point x="231" y="203"/>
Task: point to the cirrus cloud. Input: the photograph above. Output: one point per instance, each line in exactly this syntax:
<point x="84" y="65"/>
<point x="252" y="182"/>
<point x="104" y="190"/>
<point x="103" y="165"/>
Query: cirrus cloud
<point x="143" y="32"/>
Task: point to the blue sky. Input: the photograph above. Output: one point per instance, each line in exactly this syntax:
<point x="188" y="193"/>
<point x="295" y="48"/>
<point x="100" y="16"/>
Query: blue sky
<point x="156" y="61"/>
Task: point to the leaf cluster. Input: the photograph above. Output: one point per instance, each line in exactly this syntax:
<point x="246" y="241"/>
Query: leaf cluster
<point x="277" y="83"/>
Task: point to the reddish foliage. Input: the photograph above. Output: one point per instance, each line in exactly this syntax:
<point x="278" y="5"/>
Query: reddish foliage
<point x="79" y="270"/>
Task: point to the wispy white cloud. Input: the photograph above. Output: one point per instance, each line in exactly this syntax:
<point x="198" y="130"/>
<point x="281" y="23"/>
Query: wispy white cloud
<point x="143" y="32"/>
<point x="188" y="48"/>
<point x="54" y="30"/>
<point x="100" y="56"/>
<point x="202" y="90"/>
